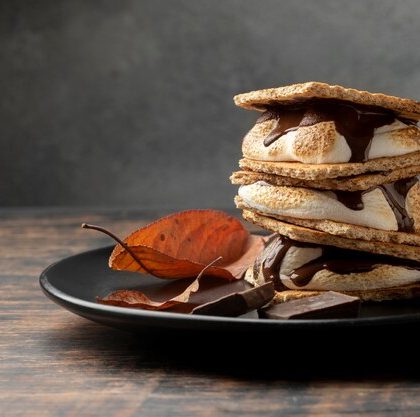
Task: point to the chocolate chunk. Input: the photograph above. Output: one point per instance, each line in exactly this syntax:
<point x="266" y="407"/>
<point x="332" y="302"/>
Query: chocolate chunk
<point x="238" y="303"/>
<point x="328" y="305"/>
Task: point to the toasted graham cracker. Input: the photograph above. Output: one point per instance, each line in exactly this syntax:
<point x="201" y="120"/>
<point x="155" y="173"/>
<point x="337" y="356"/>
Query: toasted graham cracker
<point x="326" y="171"/>
<point x="349" y="231"/>
<point x="289" y="295"/>
<point x="260" y="99"/>
<point x="403" y="292"/>
<point x="352" y="231"/>
<point x="356" y="183"/>
<point x="304" y="234"/>
<point x="413" y="204"/>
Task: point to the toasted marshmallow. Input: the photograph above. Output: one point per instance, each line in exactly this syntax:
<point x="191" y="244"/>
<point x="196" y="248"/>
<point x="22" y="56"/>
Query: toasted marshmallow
<point x="305" y="203"/>
<point x="321" y="143"/>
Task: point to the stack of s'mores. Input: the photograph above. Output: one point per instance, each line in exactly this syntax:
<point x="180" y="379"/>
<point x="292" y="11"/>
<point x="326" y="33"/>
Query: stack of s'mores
<point x="334" y="173"/>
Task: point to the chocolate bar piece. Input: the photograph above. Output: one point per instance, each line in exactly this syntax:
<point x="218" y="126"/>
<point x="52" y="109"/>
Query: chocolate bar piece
<point x="238" y="303"/>
<point x="328" y="305"/>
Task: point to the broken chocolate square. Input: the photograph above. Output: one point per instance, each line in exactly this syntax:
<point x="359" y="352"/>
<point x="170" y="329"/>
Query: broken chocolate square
<point x="238" y="303"/>
<point x="325" y="306"/>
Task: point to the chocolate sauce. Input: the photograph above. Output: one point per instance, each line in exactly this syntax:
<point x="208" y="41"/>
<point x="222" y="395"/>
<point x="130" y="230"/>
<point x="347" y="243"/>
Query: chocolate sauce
<point x="395" y="194"/>
<point x="351" y="199"/>
<point x="287" y="120"/>
<point x="272" y="257"/>
<point x="340" y="261"/>
<point x="356" y="122"/>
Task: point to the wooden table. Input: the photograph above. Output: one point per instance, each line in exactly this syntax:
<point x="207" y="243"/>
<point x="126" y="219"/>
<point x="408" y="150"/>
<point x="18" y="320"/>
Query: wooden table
<point x="54" y="363"/>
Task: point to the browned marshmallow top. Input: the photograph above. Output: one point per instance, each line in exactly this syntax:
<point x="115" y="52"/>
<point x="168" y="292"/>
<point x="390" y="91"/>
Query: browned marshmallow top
<point x="355" y="122"/>
<point x="321" y="131"/>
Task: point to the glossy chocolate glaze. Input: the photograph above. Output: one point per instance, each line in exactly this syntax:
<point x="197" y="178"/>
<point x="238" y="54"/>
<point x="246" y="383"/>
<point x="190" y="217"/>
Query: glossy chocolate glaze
<point x="351" y="199"/>
<point x="340" y="261"/>
<point x="272" y="257"/>
<point x="395" y="194"/>
<point x="355" y="122"/>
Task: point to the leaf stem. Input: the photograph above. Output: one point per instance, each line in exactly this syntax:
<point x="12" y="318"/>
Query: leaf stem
<point x="118" y="240"/>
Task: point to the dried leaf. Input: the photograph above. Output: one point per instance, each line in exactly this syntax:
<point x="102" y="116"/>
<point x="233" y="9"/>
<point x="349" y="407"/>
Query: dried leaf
<point x="137" y="299"/>
<point x="185" y="245"/>
<point x="254" y="247"/>
<point x="182" y="244"/>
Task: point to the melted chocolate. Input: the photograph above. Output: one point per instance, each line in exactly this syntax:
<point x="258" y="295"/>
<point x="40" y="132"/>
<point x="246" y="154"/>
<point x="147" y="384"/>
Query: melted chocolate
<point x="271" y="260"/>
<point x="395" y="194"/>
<point x="351" y="199"/>
<point x="356" y="122"/>
<point x="341" y="261"/>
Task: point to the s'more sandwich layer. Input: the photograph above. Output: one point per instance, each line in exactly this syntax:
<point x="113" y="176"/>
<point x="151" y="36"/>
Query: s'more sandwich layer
<point x="315" y="131"/>
<point x="388" y="213"/>
<point x="300" y="269"/>
<point x="333" y="164"/>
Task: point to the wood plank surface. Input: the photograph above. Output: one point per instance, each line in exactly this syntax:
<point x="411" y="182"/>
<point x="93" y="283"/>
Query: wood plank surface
<point x="53" y="363"/>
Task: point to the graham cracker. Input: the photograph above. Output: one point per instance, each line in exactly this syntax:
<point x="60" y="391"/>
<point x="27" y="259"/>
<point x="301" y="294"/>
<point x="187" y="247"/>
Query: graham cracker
<point x="352" y="183"/>
<point x="260" y="99"/>
<point x="352" y="231"/>
<point x="326" y="171"/>
<point x="305" y="234"/>
<point x="377" y="295"/>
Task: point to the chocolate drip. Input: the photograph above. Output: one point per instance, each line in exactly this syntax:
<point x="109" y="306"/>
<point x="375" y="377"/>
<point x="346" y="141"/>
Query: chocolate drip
<point x="396" y="194"/>
<point x="356" y="122"/>
<point x="272" y="257"/>
<point x="351" y="199"/>
<point x="340" y="261"/>
<point x="285" y="123"/>
<point x="336" y="260"/>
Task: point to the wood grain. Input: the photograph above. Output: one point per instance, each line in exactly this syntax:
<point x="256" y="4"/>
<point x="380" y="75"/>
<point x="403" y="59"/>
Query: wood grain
<point x="54" y="363"/>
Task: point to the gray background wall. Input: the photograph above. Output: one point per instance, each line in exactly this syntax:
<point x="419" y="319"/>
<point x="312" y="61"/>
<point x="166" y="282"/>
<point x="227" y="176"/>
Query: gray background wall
<point x="128" y="102"/>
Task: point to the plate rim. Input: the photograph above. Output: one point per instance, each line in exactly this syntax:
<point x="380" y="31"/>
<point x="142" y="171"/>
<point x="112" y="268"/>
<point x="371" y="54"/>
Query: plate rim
<point x="60" y="297"/>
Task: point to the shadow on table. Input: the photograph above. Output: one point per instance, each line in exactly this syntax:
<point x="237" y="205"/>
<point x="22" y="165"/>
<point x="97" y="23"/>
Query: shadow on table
<point x="384" y="353"/>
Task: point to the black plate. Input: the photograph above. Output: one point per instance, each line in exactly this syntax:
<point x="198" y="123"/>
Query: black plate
<point x="75" y="282"/>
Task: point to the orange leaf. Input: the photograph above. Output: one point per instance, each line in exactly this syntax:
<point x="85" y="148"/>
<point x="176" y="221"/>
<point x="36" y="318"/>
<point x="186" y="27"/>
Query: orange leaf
<point x="182" y="244"/>
<point x="161" y="265"/>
